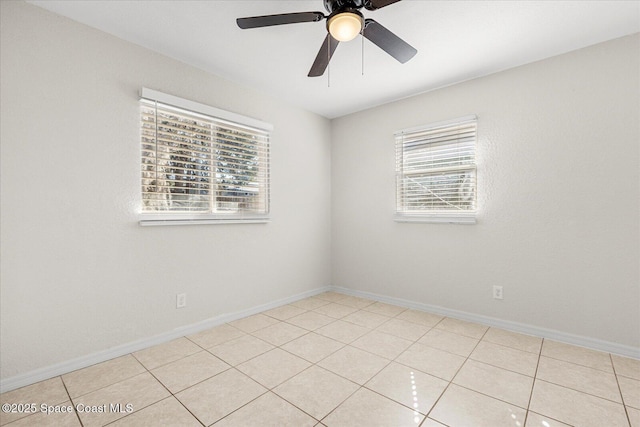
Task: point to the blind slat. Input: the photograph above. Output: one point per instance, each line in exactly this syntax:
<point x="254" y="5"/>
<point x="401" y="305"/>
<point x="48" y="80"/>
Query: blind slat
<point x="191" y="162"/>
<point x="435" y="168"/>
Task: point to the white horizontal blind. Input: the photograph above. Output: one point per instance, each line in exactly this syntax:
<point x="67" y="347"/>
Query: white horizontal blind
<point x="435" y="168"/>
<point x="198" y="166"/>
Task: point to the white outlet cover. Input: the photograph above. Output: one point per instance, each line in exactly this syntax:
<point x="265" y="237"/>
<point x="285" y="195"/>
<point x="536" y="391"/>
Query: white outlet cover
<point x="181" y="300"/>
<point x="497" y="292"/>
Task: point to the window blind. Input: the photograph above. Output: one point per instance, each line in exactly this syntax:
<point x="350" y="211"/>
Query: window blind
<point x="199" y="166"/>
<point x="436" y="169"/>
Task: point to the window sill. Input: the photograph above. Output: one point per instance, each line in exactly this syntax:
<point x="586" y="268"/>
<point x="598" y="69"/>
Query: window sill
<point x="150" y="222"/>
<point x="443" y="218"/>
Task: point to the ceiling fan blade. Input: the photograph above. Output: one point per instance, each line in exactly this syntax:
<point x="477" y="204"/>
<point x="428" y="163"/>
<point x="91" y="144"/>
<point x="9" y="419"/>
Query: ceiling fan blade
<point x="324" y="56"/>
<point x="378" y="4"/>
<point x="387" y="41"/>
<point x="285" y="18"/>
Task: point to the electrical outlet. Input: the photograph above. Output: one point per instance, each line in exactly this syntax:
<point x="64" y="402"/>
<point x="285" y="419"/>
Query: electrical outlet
<point x="497" y="292"/>
<point x="181" y="300"/>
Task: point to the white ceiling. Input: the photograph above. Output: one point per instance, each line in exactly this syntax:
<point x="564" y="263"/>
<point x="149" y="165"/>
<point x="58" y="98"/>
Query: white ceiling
<point x="456" y="41"/>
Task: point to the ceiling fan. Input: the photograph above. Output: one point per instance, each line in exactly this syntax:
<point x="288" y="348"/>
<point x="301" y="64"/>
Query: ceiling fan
<point x="344" y="23"/>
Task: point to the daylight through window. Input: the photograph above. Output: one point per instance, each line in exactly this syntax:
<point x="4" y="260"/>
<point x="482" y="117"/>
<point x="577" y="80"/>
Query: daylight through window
<point x="197" y="165"/>
<point x="436" y="172"/>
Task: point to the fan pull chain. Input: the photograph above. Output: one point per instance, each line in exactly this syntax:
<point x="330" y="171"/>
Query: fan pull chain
<point x="329" y="62"/>
<point x="362" y="38"/>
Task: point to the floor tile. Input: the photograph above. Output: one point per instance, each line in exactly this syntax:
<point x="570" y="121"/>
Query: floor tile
<point x="579" y="355"/>
<point x="280" y="333"/>
<point x="188" y="371"/>
<point x="167" y="412"/>
<point x="403" y="329"/>
<point x="273" y="367"/>
<point x="461" y="327"/>
<point x="431" y="361"/>
<point x="354" y="364"/>
<point x="331" y="296"/>
<point x="388" y="310"/>
<point x="168" y="352"/>
<point x="240" y="349"/>
<point x="253" y="323"/>
<point x="420" y="317"/>
<point x="89" y="379"/>
<point x="382" y="344"/>
<point x="217" y="397"/>
<point x="580" y="378"/>
<point x="634" y="416"/>
<point x="316" y="391"/>
<point x="630" y="389"/>
<point x="626" y="366"/>
<point x="537" y="420"/>
<point x="268" y="410"/>
<point x="508" y="386"/>
<point x="311" y="320"/>
<point x="310" y="303"/>
<point x="334" y="310"/>
<point x="447" y="341"/>
<point x="575" y="408"/>
<point x="505" y="357"/>
<point x="513" y="340"/>
<point x="431" y="423"/>
<point x="44" y="419"/>
<point x="285" y="312"/>
<point x="313" y="347"/>
<point x="344" y="332"/>
<point x="216" y="336"/>
<point x="380" y="364"/>
<point x="356" y="302"/>
<point x="132" y="394"/>
<point x="371" y="409"/>
<point x="410" y="387"/>
<point x="366" y="319"/>
<point x="459" y="407"/>
<point x="49" y="392"/>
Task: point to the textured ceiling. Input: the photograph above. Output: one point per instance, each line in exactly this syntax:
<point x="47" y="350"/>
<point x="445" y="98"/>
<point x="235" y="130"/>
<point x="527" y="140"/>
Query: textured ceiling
<point x="456" y="41"/>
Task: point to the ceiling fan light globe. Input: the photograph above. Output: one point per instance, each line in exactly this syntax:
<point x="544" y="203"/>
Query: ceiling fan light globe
<point x="345" y="26"/>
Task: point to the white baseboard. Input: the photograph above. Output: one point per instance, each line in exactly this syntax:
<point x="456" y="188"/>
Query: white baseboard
<point x="582" y="341"/>
<point x="121" y="350"/>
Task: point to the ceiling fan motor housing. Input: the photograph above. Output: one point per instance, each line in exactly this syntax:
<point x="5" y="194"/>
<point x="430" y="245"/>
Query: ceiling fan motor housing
<point x="337" y="6"/>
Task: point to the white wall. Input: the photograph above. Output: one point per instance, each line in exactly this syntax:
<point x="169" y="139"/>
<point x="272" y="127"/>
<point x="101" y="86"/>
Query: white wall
<point x="558" y="224"/>
<point x="78" y="274"/>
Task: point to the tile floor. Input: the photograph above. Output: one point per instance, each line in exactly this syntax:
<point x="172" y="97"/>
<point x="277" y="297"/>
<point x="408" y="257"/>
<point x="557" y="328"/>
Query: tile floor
<point x="337" y="360"/>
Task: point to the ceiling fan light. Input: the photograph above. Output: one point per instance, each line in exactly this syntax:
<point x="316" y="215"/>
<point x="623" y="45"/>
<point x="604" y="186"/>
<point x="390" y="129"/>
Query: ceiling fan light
<point x="345" y="26"/>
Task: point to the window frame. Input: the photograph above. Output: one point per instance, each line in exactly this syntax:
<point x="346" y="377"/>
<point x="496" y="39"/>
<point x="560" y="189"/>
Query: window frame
<point x="150" y="218"/>
<point x="435" y="216"/>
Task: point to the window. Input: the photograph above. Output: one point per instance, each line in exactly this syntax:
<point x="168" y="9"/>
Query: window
<point x="200" y="164"/>
<point x="436" y="172"/>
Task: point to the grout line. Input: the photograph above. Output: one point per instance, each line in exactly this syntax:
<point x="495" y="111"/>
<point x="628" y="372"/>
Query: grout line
<point x="71" y="400"/>
<point x="454" y="376"/>
<point x="579" y="391"/>
<point x="533" y="384"/>
<point x="306" y="369"/>
<point x="580" y="364"/>
<point x="113" y="383"/>
<point x="626" y="411"/>
<point x="173" y="395"/>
